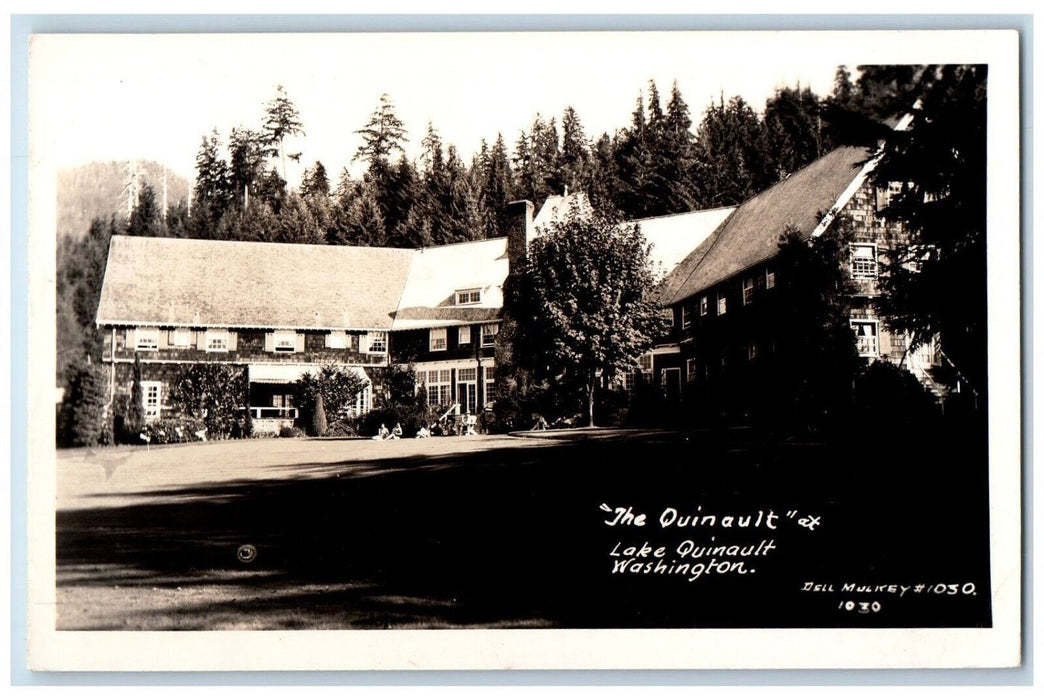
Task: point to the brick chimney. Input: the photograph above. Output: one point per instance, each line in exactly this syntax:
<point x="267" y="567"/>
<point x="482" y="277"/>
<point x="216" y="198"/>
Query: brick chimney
<point x="518" y="227"/>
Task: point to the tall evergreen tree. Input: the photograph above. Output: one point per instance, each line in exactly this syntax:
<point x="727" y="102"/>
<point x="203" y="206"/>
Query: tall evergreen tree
<point x="247" y="154"/>
<point x="730" y="156"/>
<point x="146" y="218"/>
<point x="316" y="183"/>
<point x="282" y="120"/>
<point x="211" y="194"/>
<point x="792" y="129"/>
<point x="575" y="167"/>
<point x="383" y="134"/>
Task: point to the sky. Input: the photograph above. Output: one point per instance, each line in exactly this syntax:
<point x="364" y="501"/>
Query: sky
<point x="154" y="97"/>
<point x="109" y="97"/>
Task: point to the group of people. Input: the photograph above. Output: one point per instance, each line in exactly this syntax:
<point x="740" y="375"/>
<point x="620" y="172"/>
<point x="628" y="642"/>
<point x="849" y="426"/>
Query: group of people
<point x="466" y="426"/>
<point x="385" y="434"/>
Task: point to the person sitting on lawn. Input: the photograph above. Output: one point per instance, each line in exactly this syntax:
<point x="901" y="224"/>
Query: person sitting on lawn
<point x="469" y="424"/>
<point x="541" y="422"/>
<point x="423" y="433"/>
<point x="382" y="434"/>
<point x="396" y="432"/>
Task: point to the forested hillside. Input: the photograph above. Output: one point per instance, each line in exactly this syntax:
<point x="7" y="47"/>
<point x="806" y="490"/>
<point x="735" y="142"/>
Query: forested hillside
<point x="661" y="160"/>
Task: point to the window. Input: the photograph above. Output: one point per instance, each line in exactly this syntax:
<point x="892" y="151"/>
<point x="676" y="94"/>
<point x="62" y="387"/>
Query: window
<point x="489" y="333"/>
<point x="217" y="341"/>
<point x="704" y="306"/>
<point x="752" y="350"/>
<point x="181" y="337"/>
<point x="146" y="339"/>
<point x="668" y="316"/>
<point x="464" y="335"/>
<point x="468" y="296"/>
<point x="770" y="278"/>
<point x="437" y="339"/>
<point x="722" y="304"/>
<point x="866" y="338"/>
<point x="690" y="370"/>
<point x="284" y="341"/>
<point x="437" y="384"/>
<point x="375" y="341"/>
<point x="748" y="291"/>
<point x="468" y="374"/>
<point x="686" y="316"/>
<point x="489" y="383"/>
<point x="864" y="261"/>
<point x="337" y="340"/>
<point x="151" y="393"/>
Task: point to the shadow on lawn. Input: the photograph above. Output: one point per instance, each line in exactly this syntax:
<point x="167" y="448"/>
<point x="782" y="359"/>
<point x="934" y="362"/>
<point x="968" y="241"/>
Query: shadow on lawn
<point x="515" y="537"/>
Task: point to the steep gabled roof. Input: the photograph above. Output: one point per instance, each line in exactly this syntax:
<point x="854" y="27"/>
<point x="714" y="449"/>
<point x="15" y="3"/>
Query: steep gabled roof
<point x="673" y="236"/>
<point x="752" y="232"/>
<point x="437" y="273"/>
<point x="172" y="281"/>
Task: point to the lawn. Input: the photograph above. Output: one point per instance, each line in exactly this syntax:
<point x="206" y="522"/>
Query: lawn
<point x="508" y="532"/>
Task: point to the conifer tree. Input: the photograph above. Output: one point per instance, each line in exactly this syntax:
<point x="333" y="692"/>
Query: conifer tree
<point x="282" y="120"/>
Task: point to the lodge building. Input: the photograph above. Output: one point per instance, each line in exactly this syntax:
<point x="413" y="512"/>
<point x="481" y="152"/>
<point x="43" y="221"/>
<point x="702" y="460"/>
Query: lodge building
<point x="282" y="310"/>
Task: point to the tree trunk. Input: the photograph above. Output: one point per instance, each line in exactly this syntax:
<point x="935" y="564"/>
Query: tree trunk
<point x="590" y="402"/>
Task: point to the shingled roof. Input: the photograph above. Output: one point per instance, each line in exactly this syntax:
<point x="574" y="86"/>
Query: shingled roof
<point x="437" y="273"/>
<point x="186" y="282"/>
<point x="751" y="234"/>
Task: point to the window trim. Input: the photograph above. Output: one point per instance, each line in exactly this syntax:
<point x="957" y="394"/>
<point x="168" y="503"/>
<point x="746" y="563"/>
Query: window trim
<point x="704" y="305"/>
<point x="147" y="332"/>
<point x="686" y="316"/>
<point x="213" y="334"/>
<point x="492" y="336"/>
<point x="379" y="338"/>
<point x="343" y="340"/>
<point x="748" y="291"/>
<point x="873" y="260"/>
<point x="187" y="335"/>
<point x="464" y="335"/>
<point x="436" y="334"/>
<point x="770" y="278"/>
<point x="284" y="335"/>
<point x="876" y="324"/>
<point x="723" y="304"/>
<point x="467" y="294"/>
<point x="151" y="411"/>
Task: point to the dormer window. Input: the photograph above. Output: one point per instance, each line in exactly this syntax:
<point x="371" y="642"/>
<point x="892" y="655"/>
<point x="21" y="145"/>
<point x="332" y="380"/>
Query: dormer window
<point x="284" y="341"/>
<point x="146" y="339"/>
<point x="468" y="296"/>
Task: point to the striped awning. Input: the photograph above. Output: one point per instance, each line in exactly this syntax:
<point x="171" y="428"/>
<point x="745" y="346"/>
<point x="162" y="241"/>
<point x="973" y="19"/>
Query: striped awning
<point x="288" y="373"/>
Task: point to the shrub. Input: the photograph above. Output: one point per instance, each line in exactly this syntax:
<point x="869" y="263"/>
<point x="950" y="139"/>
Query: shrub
<point x="216" y="394"/>
<point x="82" y="420"/>
<point x="173" y="430"/>
<point x="319" y="417"/>
<point x="340" y="428"/>
<point x="288" y="431"/>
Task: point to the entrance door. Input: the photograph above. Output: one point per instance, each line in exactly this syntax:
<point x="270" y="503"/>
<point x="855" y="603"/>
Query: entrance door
<point x="467" y="394"/>
<point x="671" y="379"/>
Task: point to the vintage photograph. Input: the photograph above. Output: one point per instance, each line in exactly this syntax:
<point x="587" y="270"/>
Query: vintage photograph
<point x="527" y="332"/>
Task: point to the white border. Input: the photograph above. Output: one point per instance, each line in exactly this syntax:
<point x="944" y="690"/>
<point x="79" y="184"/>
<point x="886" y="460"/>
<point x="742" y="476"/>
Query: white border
<point x="583" y="649"/>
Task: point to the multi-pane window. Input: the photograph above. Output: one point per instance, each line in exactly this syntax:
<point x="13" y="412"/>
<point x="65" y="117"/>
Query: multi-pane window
<point x="686" y="316"/>
<point x="704" y="305"/>
<point x="489" y="385"/>
<point x="146" y="339"/>
<point x="216" y="340"/>
<point x="151" y="395"/>
<point x="489" y="333"/>
<point x="437" y="339"/>
<point x="181" y="337"/>
<point x="866" y="333"/>
<point x="864" y="261"/>
<point x="284" y="341"/>
<point x="722" y="304"/>
<point x="748" y="290"/>
<point x="468" y="296"/>
<point x="377" y="341"/>
<point x="690" y="370"/>
<point x="464" y="335"/>
<point x="437" y="384"/>
<point x="770" y="278"/>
